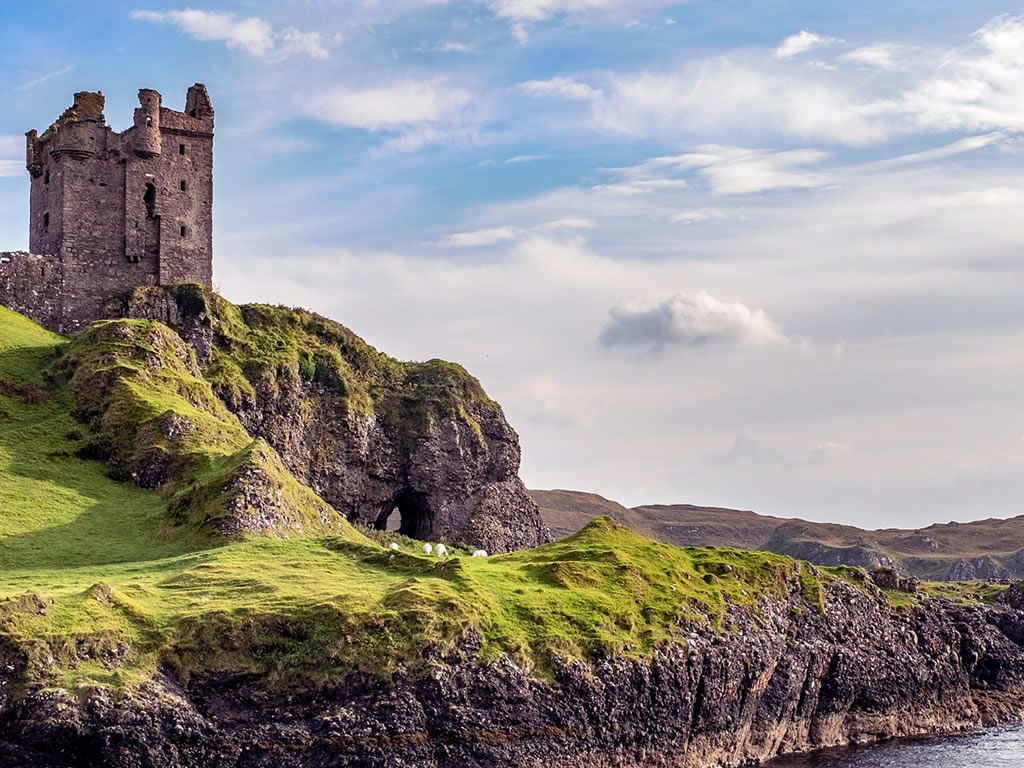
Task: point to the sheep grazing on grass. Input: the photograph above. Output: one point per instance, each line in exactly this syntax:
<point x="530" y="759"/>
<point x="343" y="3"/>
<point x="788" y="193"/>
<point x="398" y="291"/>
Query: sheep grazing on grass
<point x="441" y="550"/>
<point x="428" y="549"/>
<point x="480" y="553"/>
<point x="393" y="547"/>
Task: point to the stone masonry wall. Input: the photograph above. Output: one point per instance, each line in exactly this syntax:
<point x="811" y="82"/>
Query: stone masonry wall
<point x="33" y="285"/>
<point x="113" y="211"/>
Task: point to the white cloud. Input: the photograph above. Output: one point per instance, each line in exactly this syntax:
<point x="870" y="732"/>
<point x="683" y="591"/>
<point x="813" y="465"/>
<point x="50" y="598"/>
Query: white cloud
<point x="641" y="186"/>
<point x="730" y="97"/>
<point x="389" y="107"/>
<point x="12" y="155"/>
<point x="543" y="10"/>
<point x="43" y="78"/>
<point x="487" y="236"/>
<point x="802" y="42"/>
<point x="979" y="87"/>
<point x="561" y="87"/>
<point x="882" y="56"/>
<point x="517" y="159"/>
<point x="254" y="35"/>
<point x="453" y="47"/>
<point x="479" y="238"/>
<point x="738" y="171"/>
<point x="698" y="216"/>
<point x="689" y="320"/>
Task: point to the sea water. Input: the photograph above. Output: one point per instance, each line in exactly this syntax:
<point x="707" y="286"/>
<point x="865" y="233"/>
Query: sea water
<point x="998" y="748"/>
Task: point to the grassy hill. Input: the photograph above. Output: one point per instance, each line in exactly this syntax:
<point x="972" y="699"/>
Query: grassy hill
<point x="983" y="549"/>
<point x="104" y="583"/>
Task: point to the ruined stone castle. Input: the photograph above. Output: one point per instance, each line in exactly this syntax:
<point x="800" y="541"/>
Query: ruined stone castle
<point x="111" y="211"/>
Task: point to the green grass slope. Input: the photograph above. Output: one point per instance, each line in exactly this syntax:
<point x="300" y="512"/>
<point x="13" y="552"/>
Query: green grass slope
<point x="926" y="553"/>
<point x="103" y="583"/>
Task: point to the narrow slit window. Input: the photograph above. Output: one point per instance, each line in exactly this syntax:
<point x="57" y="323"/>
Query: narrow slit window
<point x="181" y="149"/>
<point x="46" y="176"/>
<point x="182" y="231"/>
<point x="46" y="220"/>
<point x="184" y="185"/>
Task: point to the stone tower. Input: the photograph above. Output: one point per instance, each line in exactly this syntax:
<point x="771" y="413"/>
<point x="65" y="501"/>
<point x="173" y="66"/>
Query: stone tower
<point x="112" y="211"/>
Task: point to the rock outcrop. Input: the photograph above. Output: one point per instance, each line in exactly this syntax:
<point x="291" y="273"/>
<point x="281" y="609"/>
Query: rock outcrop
<point x="774" y="680"/>
<point x="368" y="434"/>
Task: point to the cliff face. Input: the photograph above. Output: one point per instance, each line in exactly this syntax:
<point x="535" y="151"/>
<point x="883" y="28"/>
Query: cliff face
<point x="368" y="434"/>
<point x="773" y="679"/>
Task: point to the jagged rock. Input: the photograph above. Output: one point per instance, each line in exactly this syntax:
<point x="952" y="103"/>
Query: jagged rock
<point x="368" y="434"/>
<point x="776" y="680"/>
<point x="978" y="568"/>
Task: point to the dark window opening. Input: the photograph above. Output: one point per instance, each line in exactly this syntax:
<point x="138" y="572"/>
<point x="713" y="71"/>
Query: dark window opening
<point x="181" y="230"/>
<point x="184" y="185"/>
<point x="150" y="200"/>
<point x="181" y="149"/>
<point x="46" y="221"/>
<point x="46" y="176"/>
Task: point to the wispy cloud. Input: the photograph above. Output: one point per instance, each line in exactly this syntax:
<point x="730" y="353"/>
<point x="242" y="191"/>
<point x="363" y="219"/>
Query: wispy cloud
<point x="561" y="87"/>
<point x="12" y="155"/>
<point x="802" y="42"/>
<point x="389" y="107"/>
<point x="43" y="78"/>
<point x="251" y="34"/>
<point x="881" y="56"/>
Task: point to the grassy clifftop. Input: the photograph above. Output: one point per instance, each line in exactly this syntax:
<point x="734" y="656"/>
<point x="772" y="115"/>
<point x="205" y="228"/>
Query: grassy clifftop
<point x="259" y="345"/>
<point x="104" y="583"/>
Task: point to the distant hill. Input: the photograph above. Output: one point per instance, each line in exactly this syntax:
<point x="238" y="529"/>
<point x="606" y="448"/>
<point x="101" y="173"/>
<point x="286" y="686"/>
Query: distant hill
<point x="986" y="549"/>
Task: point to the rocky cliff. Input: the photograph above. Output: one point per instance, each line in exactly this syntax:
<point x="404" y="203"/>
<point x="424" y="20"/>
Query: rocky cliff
<point x="418" y="446"/>
<point x="786" y="674"/>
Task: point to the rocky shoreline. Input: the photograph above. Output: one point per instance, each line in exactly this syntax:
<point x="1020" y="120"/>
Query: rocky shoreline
<point x="776" y="680"/>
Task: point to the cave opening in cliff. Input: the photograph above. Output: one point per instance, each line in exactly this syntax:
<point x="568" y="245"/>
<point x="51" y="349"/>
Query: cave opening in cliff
<point x="408" y="515"/>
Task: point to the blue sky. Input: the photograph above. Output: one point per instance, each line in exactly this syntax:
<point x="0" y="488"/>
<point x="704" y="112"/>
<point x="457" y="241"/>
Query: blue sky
<point x="763" y="255"/>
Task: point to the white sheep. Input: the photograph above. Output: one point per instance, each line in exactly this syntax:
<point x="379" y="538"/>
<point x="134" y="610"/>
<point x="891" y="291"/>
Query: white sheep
<point x="428" y="549"/>
<point x="441" y="550"/>
<point x="480" y="553"/>
<point x="393" y="547"/>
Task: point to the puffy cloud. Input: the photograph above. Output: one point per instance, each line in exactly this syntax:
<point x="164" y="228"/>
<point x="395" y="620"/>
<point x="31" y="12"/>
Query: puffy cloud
<point x="689" y="320"/>
<point x="254" y="35"/>
<point x="802" y="42"/>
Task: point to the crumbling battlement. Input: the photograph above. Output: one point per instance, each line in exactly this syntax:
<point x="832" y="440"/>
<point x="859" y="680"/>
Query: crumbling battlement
<point x="111" y="211"/>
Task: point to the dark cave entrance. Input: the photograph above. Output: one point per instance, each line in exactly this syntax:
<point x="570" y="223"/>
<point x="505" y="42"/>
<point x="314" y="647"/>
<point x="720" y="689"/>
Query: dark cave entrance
<point x="408" y="514"/>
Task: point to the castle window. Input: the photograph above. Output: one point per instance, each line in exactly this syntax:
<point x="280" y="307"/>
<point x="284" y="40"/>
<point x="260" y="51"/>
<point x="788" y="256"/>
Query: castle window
<point x="46" y="220"/>
<point x="150" y="200"/>
<point x="184" y="185"/>
<point x="181" y="230"/>
<point x="181" y="149"/>
<point x="46" y="176"/>
<point x="149" y="121"/>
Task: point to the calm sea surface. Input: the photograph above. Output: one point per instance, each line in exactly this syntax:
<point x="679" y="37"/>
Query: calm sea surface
<point x="986" y="749"/>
